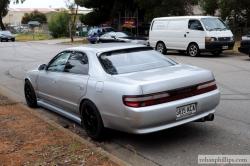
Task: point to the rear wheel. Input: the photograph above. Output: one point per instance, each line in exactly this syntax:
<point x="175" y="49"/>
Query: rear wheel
<point x="30" y="95"/>
<point x="92" y="121"/>
<point x="160" y="47"/>
<point x="193" y="50"/>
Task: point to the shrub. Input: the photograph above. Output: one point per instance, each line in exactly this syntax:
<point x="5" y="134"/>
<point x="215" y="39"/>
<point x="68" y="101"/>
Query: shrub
<point x="58" y="24"/>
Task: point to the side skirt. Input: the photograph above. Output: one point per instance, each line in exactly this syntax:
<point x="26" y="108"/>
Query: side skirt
<point x="59" y="111"/>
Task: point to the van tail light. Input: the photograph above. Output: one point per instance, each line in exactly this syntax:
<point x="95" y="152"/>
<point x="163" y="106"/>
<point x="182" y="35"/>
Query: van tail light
<point x="164" y="97"/>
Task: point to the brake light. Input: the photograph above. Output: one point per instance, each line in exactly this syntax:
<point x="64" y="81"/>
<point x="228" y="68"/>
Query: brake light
<point x="164" y="97"/>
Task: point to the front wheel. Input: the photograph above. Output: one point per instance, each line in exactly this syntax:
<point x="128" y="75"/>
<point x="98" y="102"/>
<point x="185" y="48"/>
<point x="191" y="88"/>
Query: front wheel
<point x="92" y="121"/>
<point x="193" y="50"/>
<point x="30" y="95"/>
<point x="160" y="47"/>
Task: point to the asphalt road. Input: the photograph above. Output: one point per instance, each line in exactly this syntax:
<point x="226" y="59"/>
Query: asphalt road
<point x="229" y="133"/>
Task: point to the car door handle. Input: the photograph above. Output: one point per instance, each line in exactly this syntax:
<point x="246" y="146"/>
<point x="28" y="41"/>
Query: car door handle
<point x="185" y="35"/>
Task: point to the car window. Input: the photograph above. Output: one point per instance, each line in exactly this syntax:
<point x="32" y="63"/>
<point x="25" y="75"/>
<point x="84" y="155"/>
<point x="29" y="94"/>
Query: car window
<point x="58" y="64"/>
<point x="128" y="61"/>
<point x="195" y="25"/>
<point x="77" y="64"/>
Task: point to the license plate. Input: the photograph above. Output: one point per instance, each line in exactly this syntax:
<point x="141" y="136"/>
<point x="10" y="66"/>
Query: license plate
<point x="185" y="111"/>
<point x="224" y="47"/>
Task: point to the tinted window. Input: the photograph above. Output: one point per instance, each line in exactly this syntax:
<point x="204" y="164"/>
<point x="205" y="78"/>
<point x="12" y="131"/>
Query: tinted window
<point x="77" y="64"/>
<point x="58" y="64"/>
<point x="128" y="61"/>
<point x="194" y="25"/>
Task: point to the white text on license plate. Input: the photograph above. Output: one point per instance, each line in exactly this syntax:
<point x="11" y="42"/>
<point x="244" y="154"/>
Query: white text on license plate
<point x="184" y="111"/>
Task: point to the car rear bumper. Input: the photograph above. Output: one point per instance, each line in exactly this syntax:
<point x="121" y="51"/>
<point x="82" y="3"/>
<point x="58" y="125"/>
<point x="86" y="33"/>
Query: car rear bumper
<point x="163" y="116"/>
<point x="219" y="46"/>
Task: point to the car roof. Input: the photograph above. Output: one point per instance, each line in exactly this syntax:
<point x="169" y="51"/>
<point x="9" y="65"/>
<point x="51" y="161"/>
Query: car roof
<point x="184" y="17"/>
<point x="105" y="47"/>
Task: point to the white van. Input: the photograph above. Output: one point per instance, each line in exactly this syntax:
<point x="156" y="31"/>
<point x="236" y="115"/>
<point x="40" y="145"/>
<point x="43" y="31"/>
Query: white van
<point x="191" y="34"/>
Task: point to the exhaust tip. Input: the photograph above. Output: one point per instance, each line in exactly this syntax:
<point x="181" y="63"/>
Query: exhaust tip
<point x="210" y="117"/>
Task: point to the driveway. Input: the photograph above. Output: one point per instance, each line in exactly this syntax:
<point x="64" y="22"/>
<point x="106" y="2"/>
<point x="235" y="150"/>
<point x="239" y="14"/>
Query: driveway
<point x="229" y="133"/>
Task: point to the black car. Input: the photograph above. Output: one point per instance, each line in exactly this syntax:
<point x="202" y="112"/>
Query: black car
<point x="6" y="36"/>
<point x="111" y="37"/>
<point x="245" y="45"/>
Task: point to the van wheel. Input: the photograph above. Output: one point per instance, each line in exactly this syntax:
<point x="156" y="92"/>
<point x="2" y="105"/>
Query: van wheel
<point x="160" y="47"/>
<point x="193" y="50"/>
<point x="91" y="120"/>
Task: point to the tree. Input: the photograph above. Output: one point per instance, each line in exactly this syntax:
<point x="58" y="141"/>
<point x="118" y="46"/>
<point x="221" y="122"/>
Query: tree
<point x="148" y="9"/>
<point x="236" y="12"/>
<point x="58" y="24"/>
<point x="209" y="6"/>
<point x="73" y="7"/>
<point x="4" y="5"/>
<point x="34" y="16"/>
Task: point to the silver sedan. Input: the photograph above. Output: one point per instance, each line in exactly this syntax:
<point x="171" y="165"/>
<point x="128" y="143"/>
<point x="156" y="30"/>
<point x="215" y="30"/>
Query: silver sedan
<point x="125" y="87"/>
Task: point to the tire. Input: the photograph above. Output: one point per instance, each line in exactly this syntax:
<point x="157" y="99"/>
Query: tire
<point x="160" y="47"/>
<point x="216" y="53"/>
<point x="193" y="50"/>
<point x="92" y="121"/>
<point x="30" y="95"/>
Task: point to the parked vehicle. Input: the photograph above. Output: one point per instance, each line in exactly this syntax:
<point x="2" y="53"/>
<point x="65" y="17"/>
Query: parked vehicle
<point x="192" y="34"/>
<point x="95" y="33"/>
<point x="122" y="86"/>
<point x="111" y="37"/>
<point x="6" y="36"/>
<point x="245" y="45"/>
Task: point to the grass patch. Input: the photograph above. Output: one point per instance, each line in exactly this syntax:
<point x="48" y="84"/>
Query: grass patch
<point x="31" y="37"/>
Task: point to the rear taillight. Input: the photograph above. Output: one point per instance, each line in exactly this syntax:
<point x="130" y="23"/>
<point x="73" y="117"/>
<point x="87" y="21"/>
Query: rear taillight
<point x="145" y="100"/>
<point x="164" y="97"/>
<point x="206" y="87"/>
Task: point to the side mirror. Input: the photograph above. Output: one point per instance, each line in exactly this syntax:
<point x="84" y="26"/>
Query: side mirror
<point x="42" y="67"/>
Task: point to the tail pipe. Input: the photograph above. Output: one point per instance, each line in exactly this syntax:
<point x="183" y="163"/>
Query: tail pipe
<point x="210" y="117"/>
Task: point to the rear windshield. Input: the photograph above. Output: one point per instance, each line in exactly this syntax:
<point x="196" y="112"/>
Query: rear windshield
<point x="128" y="61"/>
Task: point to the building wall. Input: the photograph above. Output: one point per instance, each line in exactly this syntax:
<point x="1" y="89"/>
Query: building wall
<point x="13" y="17"/>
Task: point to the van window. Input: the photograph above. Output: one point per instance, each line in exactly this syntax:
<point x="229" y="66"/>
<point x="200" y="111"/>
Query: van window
<point x="160" y="25"/>
<point x="195" y="25"/>
<point x="176" y="25"/>
<point x="214" y="24"/>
